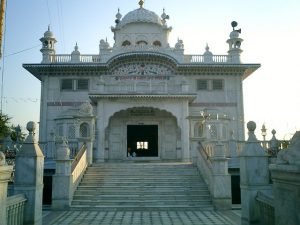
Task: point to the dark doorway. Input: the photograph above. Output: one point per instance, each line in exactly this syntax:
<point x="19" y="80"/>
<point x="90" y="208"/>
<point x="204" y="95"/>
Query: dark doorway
<point x="142" y="140"/>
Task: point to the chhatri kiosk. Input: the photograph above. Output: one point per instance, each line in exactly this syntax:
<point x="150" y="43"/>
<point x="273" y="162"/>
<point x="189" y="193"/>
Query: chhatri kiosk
<point x="141" y="96"/>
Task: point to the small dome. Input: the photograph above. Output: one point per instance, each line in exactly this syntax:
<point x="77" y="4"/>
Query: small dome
<point x="234" y="34"/>
<point x="141" y="15"/>
<point x="48" y="33"/>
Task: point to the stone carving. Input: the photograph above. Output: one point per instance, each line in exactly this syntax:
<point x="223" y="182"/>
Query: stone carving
<point x="2" y="159"/>
<point x="292" y="154"/>
<point x="86" y="108"/>
<point x="142" y="69"/>
<point x="179" y="45"/>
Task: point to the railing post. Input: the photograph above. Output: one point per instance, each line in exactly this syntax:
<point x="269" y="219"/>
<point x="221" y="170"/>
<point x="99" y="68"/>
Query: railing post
<point x="221" y="186"/>
<point x="62" y="179"/>
<point x="254" y="175"/>
<point x="286" y="183"/>
<point x="29" y="177"/>
<point x="5" y="175"/>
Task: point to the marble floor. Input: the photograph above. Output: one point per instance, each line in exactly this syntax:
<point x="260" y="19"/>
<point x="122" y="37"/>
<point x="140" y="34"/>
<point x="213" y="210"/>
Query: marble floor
<point x="141" y="218"/>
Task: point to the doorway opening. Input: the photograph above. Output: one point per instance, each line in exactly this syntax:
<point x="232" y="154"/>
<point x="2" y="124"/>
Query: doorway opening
<point x="142" y="140"/>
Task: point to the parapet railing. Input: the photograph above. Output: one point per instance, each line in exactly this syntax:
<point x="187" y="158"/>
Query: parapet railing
<point x="67" y="58"/>
<point x="209" y="146"/>
<point x="79" y="166"/>
<point x="206" y="59"/>
<point x="48" y="149"/>
<point x="93" y="58"/>
<point x="15" y="209"/>
<point x="266" y="208"/>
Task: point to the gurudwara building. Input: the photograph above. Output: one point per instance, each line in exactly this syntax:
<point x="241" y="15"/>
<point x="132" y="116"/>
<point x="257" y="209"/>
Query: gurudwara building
<point x="140" y="96"/>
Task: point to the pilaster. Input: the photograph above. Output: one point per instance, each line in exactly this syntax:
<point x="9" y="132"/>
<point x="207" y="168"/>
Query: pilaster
<point x="62" y="179"/>
<point x="5" y="174"/>
<point x="29" y="177"/>
<point x="254" y="175"/>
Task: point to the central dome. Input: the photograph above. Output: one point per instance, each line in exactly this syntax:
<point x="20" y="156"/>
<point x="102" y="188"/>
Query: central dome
<point x="141" y="15"/>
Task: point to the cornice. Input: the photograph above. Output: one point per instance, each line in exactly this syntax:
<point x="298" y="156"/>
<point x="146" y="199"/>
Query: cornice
<point x="95" y="97"/>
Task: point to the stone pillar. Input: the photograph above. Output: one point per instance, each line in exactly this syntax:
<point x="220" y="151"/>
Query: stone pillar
<point x="89" y="151"/>
<point x="185" y="138"/>
<point x="286" y="184"/>
<point x="29" y="177"/>
<point x="234" y="161"/>
<point x="221" y="183"/>
<point x="254" y="175"/>
<point x="99" y="156"/>
<point x="62" y="184"/>
<point x="5" y="174"/>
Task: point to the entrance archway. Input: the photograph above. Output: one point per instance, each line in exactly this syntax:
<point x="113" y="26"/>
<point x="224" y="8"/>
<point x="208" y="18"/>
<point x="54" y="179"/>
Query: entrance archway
<point x="143" y="132"/>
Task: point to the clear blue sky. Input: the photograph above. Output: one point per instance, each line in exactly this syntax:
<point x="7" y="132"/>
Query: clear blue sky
<point x="270" y="29"/>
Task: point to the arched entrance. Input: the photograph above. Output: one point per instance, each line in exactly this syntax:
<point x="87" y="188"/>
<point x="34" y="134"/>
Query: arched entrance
<point x="144" y="133"/>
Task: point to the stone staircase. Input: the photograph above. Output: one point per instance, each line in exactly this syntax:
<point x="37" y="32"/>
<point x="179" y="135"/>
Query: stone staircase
<point x="142" y="186"/>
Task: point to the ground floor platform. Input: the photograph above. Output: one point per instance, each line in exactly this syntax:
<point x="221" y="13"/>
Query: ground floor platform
<point x="90" y="217"/>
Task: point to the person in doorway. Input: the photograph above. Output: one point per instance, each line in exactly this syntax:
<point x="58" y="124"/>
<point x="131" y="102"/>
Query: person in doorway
<point x="129" y="152"/>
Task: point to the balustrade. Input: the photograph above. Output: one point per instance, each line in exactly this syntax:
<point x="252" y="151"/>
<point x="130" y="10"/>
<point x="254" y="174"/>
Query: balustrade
<point x="15" y="209"/>
<point x="266" y="208"/>
<point x="79" y="166"/>
<point x="202" y="59"/>
<point x="66" y="58"/>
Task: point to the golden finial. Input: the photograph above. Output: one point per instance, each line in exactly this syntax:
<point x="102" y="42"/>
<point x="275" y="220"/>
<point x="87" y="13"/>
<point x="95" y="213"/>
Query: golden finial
<point x="141" y="3"/>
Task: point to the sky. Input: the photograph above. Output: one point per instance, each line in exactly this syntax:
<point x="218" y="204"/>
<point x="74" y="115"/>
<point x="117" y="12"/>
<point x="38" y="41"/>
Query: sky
<point x="270" y="29"/>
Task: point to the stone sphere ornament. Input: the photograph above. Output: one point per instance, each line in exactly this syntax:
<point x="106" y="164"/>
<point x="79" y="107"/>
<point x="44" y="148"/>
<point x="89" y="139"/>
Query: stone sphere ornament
<point x="251" y="125"/>
<point x="31" y="126"/>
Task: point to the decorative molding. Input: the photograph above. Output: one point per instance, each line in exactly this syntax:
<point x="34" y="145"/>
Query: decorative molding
<point x="213" y="104"/>
<point x="60" y="103"/>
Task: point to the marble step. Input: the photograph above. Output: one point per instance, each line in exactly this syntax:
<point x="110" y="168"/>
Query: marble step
<point x="96" y="192"/>
<point x="137" y="197"/>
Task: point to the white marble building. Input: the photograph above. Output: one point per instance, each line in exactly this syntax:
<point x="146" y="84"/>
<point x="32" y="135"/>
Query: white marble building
<point x="141" y="96"/>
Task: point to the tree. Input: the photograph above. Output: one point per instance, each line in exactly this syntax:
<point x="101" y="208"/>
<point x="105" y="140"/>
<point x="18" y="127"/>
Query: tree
<point x="16" y="134"/>
<point x="5" y="129"/>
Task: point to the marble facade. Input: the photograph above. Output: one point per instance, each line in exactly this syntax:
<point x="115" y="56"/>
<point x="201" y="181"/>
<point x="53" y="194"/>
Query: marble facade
<point x="140" y="80"/>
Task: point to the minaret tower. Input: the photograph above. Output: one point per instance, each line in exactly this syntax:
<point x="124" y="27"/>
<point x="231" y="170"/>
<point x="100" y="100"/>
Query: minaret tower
<point x="234" y="42"/>
<point x="48" y="49"/>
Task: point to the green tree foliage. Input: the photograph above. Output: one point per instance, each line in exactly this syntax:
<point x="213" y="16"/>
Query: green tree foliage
<point x="5" y="129"/>
<point x="16" y="134"/>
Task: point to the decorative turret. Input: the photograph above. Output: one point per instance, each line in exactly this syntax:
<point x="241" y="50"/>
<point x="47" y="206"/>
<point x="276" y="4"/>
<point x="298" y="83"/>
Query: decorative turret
<point x="118" y="17"/>
<point x="234" y="42"/>
<point x="75" y="55"/>
<point x="48" y="42"/>
<point x="164" y="17"/>
<point x="208" y="56"/>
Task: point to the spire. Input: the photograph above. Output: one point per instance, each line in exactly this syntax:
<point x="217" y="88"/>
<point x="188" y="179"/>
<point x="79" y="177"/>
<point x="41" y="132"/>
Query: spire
<point x="118" y="17"/>
<point x="76" y="47"/>
<point x="141" y="3"/>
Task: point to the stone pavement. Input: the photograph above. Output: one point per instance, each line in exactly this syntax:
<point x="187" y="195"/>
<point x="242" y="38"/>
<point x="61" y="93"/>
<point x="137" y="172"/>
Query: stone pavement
<point x="89" y="217"/>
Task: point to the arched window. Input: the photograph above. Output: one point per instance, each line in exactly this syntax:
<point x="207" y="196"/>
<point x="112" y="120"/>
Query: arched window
<point x="84" y="130"/>
<point x="142" y="42"/>
<point x="126" y="43"/>
<point x="157" y="43"/>
<point x="198" y="130"/>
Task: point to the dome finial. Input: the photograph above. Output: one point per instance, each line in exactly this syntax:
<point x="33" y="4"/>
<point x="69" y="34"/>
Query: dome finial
<point x="141" y="3"/>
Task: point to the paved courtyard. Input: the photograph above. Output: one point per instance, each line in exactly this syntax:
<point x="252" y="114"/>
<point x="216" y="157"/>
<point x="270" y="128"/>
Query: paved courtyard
<point x="141" y="218"/>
